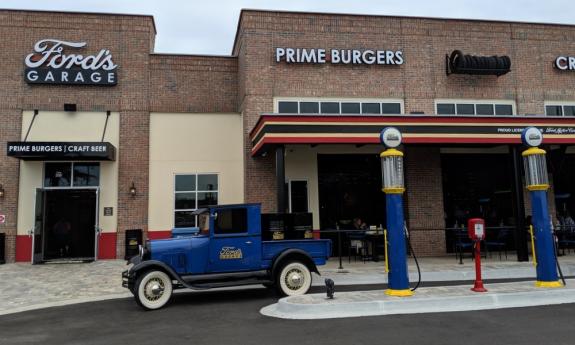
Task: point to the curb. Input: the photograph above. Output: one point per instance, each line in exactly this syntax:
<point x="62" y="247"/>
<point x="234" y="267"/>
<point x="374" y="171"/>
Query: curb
<point x="286" y="308"/>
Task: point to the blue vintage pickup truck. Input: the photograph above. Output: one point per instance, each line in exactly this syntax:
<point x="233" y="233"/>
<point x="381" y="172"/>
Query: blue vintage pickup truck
<point x="227" y="250"/>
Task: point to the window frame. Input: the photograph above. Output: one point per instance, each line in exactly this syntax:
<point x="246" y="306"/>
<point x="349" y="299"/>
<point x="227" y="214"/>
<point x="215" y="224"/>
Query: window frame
<point x="475" y="102"/>
<point x="360" y="101"/>
<point x="71" y="186"/>
<point x="196" y="192"/>
<point x="561" y="104"/>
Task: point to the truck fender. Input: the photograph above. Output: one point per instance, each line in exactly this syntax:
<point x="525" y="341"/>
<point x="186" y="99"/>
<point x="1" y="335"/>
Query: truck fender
<point x="293" y="255"/>
<point x="155" y="264"/>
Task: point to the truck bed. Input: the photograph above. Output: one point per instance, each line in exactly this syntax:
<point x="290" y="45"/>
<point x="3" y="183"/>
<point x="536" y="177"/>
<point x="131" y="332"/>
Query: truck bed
<point x="319" y="250"/>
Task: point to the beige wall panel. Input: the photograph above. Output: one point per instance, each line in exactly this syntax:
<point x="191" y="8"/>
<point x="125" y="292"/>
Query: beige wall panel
<point x="69" y="126"/>
<point x="190" y="144"/>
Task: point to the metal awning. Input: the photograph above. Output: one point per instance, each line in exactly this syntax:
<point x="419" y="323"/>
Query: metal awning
<point x="49" y="150"/>
<point x="275" y="129"/>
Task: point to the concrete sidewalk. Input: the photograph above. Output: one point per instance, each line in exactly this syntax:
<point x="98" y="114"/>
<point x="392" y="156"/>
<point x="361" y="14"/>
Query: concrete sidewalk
<point x="425" y="300"/>
<point x="436" y="269"/>
<point x="26" y="287"/>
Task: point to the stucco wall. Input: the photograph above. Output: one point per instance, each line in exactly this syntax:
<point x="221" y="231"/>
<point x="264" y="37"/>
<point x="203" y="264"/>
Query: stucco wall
<point x="183" y="143"/>
<point x="69" y="126"/>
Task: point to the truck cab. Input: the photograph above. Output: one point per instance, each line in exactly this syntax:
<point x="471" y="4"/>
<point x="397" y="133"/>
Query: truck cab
<point x="226" y="250"/>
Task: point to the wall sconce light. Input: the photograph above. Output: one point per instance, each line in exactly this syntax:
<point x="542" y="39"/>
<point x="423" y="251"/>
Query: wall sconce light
<point x="70" y="107"/>
<point x="133" y="189"/>
<point x="1" y="191"/>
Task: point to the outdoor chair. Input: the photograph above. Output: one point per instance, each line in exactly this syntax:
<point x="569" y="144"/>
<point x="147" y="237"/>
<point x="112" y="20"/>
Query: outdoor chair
<point x="565" y="238"/>
<point x="462" y="243"/>
<point x="498" y="243"/>
<point x="357" y="245"/>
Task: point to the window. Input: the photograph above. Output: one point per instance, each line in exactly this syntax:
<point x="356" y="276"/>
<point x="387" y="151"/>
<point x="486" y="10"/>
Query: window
<point x="370" y="108"/>
<point x="309" y="107"/>
<point x="330" y="107"/>
<point x="339" y="107"/>
<point x="484" y="109"/>
<point x="446" y="109"/>
<point x="86" y="174"/>
<point x="231" y="221"/>
<point x="288" y="107"/>
<point x="350" y="108"/>
<point x="67" y="174"/>
<point x="503" y="109"/>
<point x="298" y="196"/>
<point x="191" y="192"/>
<point x="465" y="109"/>
<point x="560" y="110"/>
<point x="471" y="108"/>
<point x="390" y="108"/>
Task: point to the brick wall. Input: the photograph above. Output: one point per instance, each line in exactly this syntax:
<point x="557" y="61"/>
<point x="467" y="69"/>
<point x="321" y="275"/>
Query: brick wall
<point x="419" y="81"/>
<point x="193" y="84"/>
<point x="128" y="38"/>
<point x="424" y="200"/>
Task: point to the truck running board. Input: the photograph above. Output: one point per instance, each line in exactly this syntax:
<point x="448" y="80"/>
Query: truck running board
<point x="197" y="280"/>
<point x="230" y="283"/>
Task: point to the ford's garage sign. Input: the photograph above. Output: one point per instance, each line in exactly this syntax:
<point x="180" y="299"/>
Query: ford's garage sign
<point x="53" y="62"/>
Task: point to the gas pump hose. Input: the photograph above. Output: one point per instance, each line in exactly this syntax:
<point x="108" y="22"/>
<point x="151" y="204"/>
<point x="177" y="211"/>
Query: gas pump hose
<point x="557" y="262"/>
<point x="415" y="259"/>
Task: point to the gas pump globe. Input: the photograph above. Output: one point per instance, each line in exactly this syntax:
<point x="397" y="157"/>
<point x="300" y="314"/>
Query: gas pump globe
<point x="537" y="182"/>
<point x="535" y="169"/>
<point x="392" y="170"/>
<point x="393" y="187"/>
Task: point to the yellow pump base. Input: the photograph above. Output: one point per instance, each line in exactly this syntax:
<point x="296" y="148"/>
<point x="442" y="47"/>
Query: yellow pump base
<point x="399" y="293"/>
<point x="542" y="284"/>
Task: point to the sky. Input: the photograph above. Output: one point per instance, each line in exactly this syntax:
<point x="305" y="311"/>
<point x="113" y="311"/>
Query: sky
<point x="209" y="26"/>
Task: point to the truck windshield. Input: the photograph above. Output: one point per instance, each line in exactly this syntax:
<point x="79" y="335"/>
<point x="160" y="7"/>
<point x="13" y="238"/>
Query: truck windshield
<point x="204" y="223"/>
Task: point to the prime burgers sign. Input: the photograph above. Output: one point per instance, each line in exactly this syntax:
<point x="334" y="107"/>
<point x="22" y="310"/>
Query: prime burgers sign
<point x="57" y="62"/>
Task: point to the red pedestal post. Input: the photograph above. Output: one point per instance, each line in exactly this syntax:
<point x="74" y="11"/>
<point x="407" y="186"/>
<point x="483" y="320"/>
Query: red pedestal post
<point x="478" y="287"/>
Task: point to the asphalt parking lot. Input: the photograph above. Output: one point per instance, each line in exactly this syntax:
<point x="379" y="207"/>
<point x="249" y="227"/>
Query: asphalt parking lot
<point x="232" y="317"/>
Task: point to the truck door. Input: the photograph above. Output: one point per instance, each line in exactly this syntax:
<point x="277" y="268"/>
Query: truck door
<point x="233" y="247"/>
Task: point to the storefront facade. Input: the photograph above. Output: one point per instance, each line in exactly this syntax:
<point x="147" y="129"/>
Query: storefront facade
<point x="132" y="139"/>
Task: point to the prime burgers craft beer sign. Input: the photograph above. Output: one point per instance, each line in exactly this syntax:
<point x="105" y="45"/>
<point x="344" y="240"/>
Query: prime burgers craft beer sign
<point x="60" y="62"/>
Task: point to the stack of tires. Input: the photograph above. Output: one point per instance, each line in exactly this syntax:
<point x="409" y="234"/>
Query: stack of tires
<point x="460" y="63"/>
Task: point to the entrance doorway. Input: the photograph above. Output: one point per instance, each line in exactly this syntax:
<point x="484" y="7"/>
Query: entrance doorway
<point x="66" y="221"/>
<point x="349" y="188"/>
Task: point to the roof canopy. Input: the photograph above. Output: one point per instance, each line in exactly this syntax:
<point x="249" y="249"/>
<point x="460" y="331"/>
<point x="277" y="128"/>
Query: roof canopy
<point x="274" y="129"/>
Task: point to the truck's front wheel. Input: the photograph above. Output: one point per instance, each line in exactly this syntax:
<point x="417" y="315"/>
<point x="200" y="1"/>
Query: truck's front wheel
<point x="294" y="279"/>
<point x="153" y="290"/>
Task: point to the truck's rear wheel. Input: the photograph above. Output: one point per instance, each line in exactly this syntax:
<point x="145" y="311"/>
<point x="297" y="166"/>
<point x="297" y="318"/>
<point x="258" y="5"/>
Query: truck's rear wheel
<point x="294" y="279"/>
<point x="153" y="290"/>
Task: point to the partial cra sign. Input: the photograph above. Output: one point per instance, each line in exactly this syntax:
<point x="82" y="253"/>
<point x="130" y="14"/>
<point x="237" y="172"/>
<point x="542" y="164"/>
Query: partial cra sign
<point x="565" y="63"/>
<point x="2" y="218"/>
<point x="339" y="56"/>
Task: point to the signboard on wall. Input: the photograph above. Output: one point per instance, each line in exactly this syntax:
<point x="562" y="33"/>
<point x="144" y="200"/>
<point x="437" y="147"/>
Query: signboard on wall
<point x="339" y="56"/>
<point x="36" y="150"/>
<point x="53" y="63"/>
<point x="565" y="63"/>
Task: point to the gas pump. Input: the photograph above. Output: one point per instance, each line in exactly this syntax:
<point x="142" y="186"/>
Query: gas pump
<point x="537" y="183"/>
<point x="393" y="187"/>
